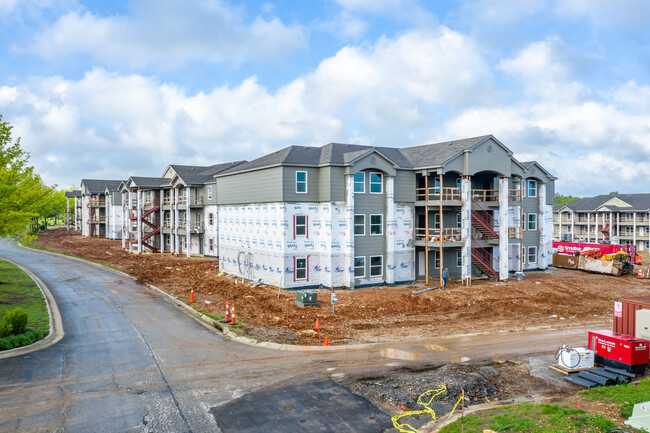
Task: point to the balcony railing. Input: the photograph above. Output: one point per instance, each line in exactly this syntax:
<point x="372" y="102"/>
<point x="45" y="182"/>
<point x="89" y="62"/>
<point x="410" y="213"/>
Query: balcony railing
<point x="514" y="232"/>
<point x="448" y="194"/>
<point x="97" y="219"/>
<point x="433" y="234"/>
<point x="97" y="202"/>
<point x="485" y="195"/>
<point x="514" y="195"/>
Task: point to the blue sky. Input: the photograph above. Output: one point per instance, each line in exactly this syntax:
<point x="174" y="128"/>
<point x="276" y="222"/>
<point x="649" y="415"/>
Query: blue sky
<point x="101" y="89"/>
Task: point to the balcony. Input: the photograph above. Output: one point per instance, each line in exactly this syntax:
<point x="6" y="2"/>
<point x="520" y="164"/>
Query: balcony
<point x="97" y="202"/>
<point x="514" y="195"/>
<point x="434" y="194"/>
<point x="485" y="195"/>
<point x="514" y="233"/>
<point x="97" y="219"/>
<point x="449" y="235"/>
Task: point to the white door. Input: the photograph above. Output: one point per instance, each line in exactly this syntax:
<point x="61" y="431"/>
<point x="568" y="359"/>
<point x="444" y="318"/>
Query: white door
<point x="420" y="263"/>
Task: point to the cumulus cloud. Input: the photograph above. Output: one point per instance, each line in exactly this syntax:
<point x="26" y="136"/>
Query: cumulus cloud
<point x="170" y="34"/>
<point x="626" y="15"/>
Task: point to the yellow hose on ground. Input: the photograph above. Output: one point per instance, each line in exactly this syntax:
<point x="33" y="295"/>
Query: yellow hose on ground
<point x="402" y="427"/>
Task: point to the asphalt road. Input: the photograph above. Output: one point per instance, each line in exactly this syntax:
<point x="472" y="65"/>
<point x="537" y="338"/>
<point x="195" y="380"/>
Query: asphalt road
<point x="132" y="361"/>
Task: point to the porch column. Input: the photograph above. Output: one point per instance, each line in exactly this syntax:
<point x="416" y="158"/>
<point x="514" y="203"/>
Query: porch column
<point x="611" y="229"/>
<point x="67" y="213"/>
<point x="139" y="228"/>
<point x="573" y="215"/>
<point x="634" y="228"/>
<point x="391" y="227"/>
<point x="125" y="220"/>
<point x="466" y="229"/>
<point x="503" y="228"/>
<point x="543" y="250"/>
<point x="176" y="220"/>
<point x="588" y="226"/>
<point x="161" y="222"/>
<point x="188" y="222"/>
<point x="596" y="227"/>
<point x="349" y="234"/>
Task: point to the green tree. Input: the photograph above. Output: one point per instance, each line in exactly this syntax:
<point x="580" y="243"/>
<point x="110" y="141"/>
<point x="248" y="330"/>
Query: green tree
<point x="563" y="199"/>
<point x="23" y="195"/>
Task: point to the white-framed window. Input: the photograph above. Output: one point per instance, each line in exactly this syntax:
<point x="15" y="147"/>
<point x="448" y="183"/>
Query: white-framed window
<point x="459" y="220"/>
<point x="359" y="225"/>
<point x="459" y="258"/>
<point x="359" y="267"/>
<point x="532" y="255"/>
<point x="459" y="182"/>
<point x="376" y="183"/>
<point x="300" y="268"/>
<point x="209" y="192"/>
<point x="523" y="188"/>
<point x="301" y="182"/>
<point x="360" y="182"/>
<point x="376" y="266"/>
<point x="532" y="221"/>
<point x="376" y="225"/>
<point x="531" y="187"/>
<point x="300" y="225"/>
<point x="211" y="218"/>
<point x="211" y="244"/>
<point x="436" y="220"/>
<point x="168" y="240"/>
<point x="436" y="259"/>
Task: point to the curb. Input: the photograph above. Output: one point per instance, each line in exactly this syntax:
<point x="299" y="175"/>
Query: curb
<point x="56" y="324"/>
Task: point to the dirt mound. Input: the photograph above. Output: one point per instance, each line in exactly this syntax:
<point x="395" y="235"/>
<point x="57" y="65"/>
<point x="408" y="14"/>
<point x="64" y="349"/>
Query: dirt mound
<point x="553" y="298"/>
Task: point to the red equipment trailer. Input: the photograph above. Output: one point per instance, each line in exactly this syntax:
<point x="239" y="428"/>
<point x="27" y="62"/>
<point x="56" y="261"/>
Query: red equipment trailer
<point x="620" y="350"/>
<point x="570" y="248"/>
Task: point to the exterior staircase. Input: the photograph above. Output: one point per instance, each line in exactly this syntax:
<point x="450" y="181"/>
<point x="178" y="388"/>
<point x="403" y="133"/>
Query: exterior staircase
<point x="483" y="260"/>
<point x="148" y="221"/>
<point x="483" y="222"/>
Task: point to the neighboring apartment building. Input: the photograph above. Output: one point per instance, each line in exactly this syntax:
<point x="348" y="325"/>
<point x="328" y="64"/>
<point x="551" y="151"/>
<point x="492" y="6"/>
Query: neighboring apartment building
<point x="620" y="218"/>
<point x="349" y="215"/>
<point x="93" y="205"/>
<point x="72" y="216"/>
<point x="113" y="211"/>
<point x="175" y="213"/>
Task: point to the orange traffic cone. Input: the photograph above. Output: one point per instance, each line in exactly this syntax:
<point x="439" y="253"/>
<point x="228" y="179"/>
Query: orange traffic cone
<point x="327" y="341"/>
<point x="227" y="311"/>
<point x="640" y="273"/>
<point x="318" y="328"/>
<point x="233" y="316"/>
<point x="192" y="295"/>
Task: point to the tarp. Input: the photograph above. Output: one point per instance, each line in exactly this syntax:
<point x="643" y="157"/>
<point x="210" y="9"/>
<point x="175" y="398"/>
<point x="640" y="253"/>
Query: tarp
<point x="569" y="248"/>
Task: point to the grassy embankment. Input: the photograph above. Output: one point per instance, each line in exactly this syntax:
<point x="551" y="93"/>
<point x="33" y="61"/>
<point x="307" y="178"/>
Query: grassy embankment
<point x="17" y="289"/>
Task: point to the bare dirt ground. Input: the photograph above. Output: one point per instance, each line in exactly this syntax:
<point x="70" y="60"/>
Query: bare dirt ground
<point x="554" y="298"/>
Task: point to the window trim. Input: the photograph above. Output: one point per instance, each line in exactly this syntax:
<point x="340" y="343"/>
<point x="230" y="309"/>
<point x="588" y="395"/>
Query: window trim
<point x="210" y="219"/>
<point x="436" y="259"/>
<point x="528" y="222"/>
<point x="381" y="224"/>
<point x="528" y="181"/>
<point x="362" y="183"/>
<point x="295" y="226"/>
<point x="306" y="182"/>
<point x="209" y="192"/>
<point x="528" y="249"/>
<point x="295" y="268"/>
<point x="211" y="244"/>
<point x="459" y="259"/>
<point x="355" y="225"/>
<point x="371" y="183"/>
<point x="381" y="266"/>
<point x="355" y="266"/>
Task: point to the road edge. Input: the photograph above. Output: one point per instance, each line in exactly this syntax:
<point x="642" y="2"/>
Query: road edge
<point x="56" y="323"/>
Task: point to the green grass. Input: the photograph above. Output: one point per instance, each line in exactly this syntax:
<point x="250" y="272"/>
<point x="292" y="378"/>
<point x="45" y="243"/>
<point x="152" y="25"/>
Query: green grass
<point x="534" y="418"/>
<point x="17" y="289"/>
<point x="626" y="395"/>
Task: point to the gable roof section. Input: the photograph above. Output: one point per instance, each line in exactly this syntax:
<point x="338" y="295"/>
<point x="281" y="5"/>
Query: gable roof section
<point x="147" y="182"/>
<point x="199" y="175"/>
<point x="96" y="186"/>
<point x="530" y="164"/>
<point x="436" y="154"/>
<point x="634" y="202"/>
<point x="73" y="194"/>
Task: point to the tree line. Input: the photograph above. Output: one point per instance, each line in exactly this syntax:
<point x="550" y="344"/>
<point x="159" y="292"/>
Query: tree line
<point x="24" y="197"/>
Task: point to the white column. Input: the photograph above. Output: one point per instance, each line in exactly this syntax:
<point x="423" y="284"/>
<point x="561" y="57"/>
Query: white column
<point x="466" y="227"/>
<point x="188" y="219"/>
<point x="391" y="230"/>
<point x="348" y="242"/>
<point x="588" y="226"/>
<point x="503" y="228"/>
<point x="596" y="227"/>
<point x="634" y="228"/>
<point x="139" y="228"/>
<point x="176" y="218"/>
<point x="572" y="226"/>
<point x="125" y="220"/>
<point x="161" y="222"/>
<point x="543" y="248"/>
<point x="611" y="221"/>
<point x="106" y="219"/>
<point x="618" y="226"/>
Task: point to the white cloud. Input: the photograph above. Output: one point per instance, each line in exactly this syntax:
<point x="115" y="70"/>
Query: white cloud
<point x="502" y="11"/>
<point x="170" y="33"/>
<point x="626" y="15"/>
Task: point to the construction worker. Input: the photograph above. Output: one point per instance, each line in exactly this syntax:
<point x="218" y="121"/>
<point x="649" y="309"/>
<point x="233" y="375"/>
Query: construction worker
<point x="445" y="276"/>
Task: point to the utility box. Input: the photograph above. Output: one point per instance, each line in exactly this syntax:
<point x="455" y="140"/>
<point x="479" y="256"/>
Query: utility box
<point x="578" y="357"/>
<point x="642" y="324"/>
<point x="620" y="350"/>
<point x="306" y="298"/>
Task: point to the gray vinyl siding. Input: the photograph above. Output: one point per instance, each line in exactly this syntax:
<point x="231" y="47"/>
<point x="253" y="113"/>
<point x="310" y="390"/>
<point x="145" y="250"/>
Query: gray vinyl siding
<point x="448" y="261"/>
<point x="260" y="186"/>
<point x="214" y="194"/>
<point x="550" y="192"/>
<point x="405" y="186"/>
<point x="331" y="184"/>
<point x="530" y="205"/>
<point x="371" y="204"/>
<point x="289" y="193"/>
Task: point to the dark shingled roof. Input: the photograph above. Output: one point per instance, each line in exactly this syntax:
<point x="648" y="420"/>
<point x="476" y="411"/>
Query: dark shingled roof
<point x="428" y="155"/>
<point x="73" y="194"/>
<point x="149" y="182"/>
<point x="637" y="202"/>
<point x="195" y="174"/>
<point x="96" y="186"/>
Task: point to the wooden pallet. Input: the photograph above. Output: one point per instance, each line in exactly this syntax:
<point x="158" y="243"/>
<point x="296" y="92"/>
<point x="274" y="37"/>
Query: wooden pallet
<point x="565" y="370"/>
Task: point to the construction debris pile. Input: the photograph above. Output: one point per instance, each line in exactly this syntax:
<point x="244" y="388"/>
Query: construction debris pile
<point x="554" y="298"/>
